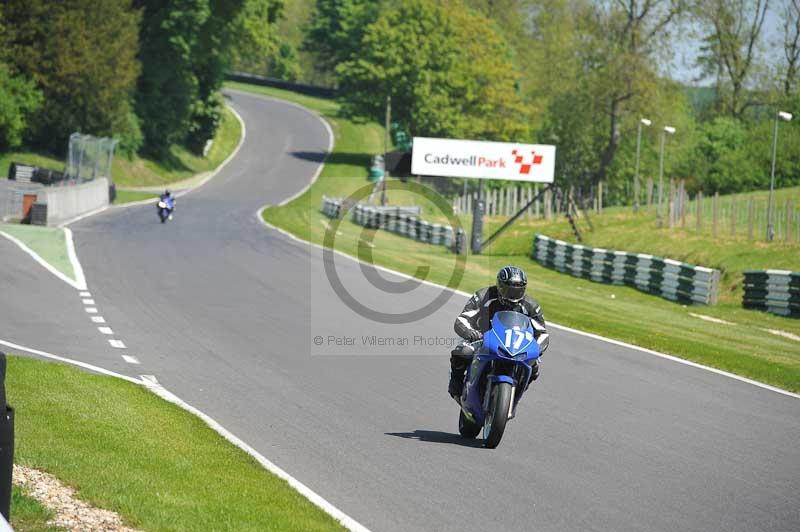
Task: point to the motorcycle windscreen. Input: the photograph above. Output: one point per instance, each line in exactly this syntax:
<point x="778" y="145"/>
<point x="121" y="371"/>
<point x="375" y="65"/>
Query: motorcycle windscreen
<point x="513" y="331"/>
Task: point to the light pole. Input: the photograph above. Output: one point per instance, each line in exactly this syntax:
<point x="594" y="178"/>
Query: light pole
<point x="671" y="131"/>
<point x="646" y="122"/>
<point x="785" y="117"/>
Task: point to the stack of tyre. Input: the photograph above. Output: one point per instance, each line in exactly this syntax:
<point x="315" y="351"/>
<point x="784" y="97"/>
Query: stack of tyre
<point x="774" y="291"/>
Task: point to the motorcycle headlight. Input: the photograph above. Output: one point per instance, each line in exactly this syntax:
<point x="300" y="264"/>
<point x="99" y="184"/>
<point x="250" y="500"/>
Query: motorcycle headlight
<point x="521" y="356"/>
<point x="161" y="204"/>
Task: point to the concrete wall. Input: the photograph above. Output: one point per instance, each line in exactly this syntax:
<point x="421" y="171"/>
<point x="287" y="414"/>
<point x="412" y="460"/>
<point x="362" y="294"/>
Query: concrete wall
<point x="67" y="202"/>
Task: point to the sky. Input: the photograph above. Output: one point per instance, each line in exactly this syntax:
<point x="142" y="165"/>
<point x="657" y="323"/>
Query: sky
<point x="687" y="47"/>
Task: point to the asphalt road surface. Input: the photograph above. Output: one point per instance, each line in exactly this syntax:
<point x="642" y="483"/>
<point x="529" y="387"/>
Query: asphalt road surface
<point x="224" y="312"/>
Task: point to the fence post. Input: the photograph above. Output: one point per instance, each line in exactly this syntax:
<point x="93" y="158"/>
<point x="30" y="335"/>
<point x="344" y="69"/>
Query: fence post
<point x="536" y="195"/>
<point x="750" y="213"/>
<point x="649" y="191"/>
<point x="733" y="216"/>
<point x="526" y="199"/>
<point x="548" y="201"/>
<point x="788" y="209"/>
<point x="715" y="213"/>
<point x="600" y="197"/>
<point x="684" y="202"/>
<point x="699" y="208"/>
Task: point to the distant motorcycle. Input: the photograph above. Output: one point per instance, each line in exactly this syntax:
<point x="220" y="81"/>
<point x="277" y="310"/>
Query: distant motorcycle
<point x="498" y="377"/>
<point x="165" y="207"/>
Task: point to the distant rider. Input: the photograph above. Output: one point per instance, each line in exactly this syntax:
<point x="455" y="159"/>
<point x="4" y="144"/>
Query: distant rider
<point x="169" y="199"/>
<point x="476" y="319"/>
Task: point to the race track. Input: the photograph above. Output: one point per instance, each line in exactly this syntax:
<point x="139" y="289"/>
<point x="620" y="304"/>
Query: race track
<point x="223" y="310"/>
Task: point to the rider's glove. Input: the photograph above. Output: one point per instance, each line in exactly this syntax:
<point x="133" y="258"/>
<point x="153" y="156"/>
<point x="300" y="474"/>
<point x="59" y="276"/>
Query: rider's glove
<point x="474" y="336"/>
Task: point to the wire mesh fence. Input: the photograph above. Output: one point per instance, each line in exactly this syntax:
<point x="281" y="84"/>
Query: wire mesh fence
<point x="89" y="157"/>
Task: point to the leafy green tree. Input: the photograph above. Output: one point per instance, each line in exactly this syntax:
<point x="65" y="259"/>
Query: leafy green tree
<point x="334" y="32"/>
<point x="605" y="55"/>
<point x="168" y="87"/>
<point x="729" y="53"/>
<point x="18" y="99"/>
<point x="256" y="44"/>
<point x="81" y="54"/>
<point x="447" y="70"/>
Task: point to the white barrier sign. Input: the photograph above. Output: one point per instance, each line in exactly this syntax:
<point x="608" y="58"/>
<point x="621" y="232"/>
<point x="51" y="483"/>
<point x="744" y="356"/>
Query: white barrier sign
<point x="479" y="159"/>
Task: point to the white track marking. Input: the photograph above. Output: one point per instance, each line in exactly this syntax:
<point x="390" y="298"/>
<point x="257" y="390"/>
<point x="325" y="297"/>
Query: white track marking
<point x="105" y="330"/>
<point x="151" y="382"/>
<point x="346" y="521"/>
<point x="785" y="334"/>
<point x="44" y="263"/>
<point x="82" y="216"/>
<point x="80" y="278"/>
<point x="85" y="294"/>
<point x="118" y="344"/>
<point x="88" y="301"/>
<point x="91" y="310"/>
<point x="98" y="319"/>
<point x="78" y="363"/>
<point x="711" y="319"/>
<point x="550" y="323"/>
<point x="130" y="360"/>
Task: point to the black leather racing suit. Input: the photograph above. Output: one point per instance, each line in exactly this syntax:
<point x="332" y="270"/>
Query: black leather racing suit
<point x="477" y="316"/>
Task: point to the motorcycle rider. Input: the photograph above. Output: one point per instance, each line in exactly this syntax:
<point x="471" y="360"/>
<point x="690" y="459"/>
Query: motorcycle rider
<point x="169" y="199"/>
<point x="476" y="318"/>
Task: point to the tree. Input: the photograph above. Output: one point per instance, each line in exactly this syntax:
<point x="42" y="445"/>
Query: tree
<point x="256" y="44"/>
<point x="447" y="70"/>
<point x="606" y="54"/>
<point x="18" y="99"/>
<point x="730" y="47"/>
<point x="81" y="54"/>
<point x="334" y="33"/>
<point x="791" y="44"/>
<point x="168" y="87"/>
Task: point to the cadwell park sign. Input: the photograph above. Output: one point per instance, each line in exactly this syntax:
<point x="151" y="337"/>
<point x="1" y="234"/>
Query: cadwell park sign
<point x="483" y="160"/>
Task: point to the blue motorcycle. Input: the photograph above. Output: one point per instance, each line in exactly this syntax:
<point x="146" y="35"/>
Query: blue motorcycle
<point x="165" y="206"/>
<point x="498" y="377"/>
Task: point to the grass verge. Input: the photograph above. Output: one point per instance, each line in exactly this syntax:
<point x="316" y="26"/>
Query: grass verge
<point x="745" y="347"/>
<point x="47" y="242"/>
<point x="178" y="165"/>
<point x="130" y="196"/>
<point x="124" y="449"/>
<point x="28" y="515"/>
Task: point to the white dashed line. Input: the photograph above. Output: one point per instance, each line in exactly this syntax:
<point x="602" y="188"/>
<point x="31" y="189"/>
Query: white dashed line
<point x="91" y="310"/>
<point x="85" y="294"/>
<point x="98" y="319"/>
<point x="130" y="360"/>
<point x="117" y="343"/>
<point x="105" y="330"/>
<point x="88" y="301"/>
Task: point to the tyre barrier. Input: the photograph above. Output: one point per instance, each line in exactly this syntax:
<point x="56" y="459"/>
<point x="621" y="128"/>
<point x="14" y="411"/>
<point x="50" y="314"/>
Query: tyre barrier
<point x="774" y="291"/>
<point x="667" y="278"/>
<point x="403" y="221"/>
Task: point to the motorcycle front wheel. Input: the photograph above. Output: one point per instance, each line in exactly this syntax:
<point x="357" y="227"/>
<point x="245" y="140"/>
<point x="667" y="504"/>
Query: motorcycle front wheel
<point x="497" y="416"/>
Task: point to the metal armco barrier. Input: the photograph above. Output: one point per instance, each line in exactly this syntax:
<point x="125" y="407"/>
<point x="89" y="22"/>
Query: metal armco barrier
<point x="403" y="221"/>
<point x="6" y="444"/>
<point x="775" y="291"/>
<point x="666" y="278"/>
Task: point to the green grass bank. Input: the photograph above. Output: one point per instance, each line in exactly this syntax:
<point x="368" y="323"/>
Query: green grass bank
<point x="124" y="449"/>
<point x="180" y="163"/>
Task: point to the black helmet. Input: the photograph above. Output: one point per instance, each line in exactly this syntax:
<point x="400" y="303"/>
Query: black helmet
<point x="167" y="193"/>
<point x="511" y="283"/>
